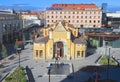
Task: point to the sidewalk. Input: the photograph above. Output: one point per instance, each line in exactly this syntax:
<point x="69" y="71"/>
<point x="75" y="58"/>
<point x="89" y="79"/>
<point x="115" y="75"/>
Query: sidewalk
<point x="38" y="67"/>
<point x="12" y="62"/>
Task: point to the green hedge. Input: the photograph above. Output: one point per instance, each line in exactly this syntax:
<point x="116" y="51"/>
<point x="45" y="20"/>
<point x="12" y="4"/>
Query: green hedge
<point x="17" y="76"/>
<point x="104" y="61"/>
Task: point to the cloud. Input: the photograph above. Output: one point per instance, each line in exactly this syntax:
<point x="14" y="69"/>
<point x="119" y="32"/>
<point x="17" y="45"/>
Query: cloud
<point x="21" y="5"/>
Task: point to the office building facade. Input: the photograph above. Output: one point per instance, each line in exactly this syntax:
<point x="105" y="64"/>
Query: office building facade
<point x="9" y="25"/>
<point x="79" y="15"/>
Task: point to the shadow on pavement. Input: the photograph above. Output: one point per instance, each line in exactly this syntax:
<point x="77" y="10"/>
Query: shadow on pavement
<point x="29" y="74"/>
<point x="21" y="61"/>
<point x="93" y="72"/>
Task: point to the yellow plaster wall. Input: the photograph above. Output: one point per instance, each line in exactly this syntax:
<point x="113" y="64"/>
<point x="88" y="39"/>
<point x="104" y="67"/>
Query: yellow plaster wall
<point x="47" y="29"/>
<point x="49" y="49"/>
<point x="72" y="30"/>
<point x="68" y="48"/>
<point x="72" y="50"/>
<point x="71" y="47"/>
<point x="38" y="46"/>
<point x="66" y="27"/>
<point x="80" y="47"/>
<point x="59" y="35"/>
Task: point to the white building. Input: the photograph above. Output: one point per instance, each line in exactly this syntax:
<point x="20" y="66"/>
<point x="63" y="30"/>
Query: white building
<point x="113" y="19"/>
<point x="30" y="19"/>
<point x="115" y="14"/>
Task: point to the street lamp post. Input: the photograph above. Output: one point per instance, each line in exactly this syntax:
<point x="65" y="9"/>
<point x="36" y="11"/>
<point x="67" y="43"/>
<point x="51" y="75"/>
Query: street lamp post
<point x="106" y="43"/>
<point x="49" y="68"/>
<point x="108" y="65"/>
<point x="19" y="51"/>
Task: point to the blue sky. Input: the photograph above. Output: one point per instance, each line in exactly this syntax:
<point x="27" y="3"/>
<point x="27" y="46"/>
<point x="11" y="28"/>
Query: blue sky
<point x="47" y="3"/>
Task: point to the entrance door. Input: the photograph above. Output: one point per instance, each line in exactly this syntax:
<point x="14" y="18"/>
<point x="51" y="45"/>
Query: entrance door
<point x="58" y="49"/>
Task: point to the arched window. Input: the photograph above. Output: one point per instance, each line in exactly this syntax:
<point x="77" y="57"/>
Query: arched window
<point x="45" y="32"/>
<point x="41" y="53"/>
<point x="36" y="53"/>
<point x="81" y="16"/>
<point x="75" y="32"/>
<point x="78" y="53"/>
<point x="81" y="25"/>
<point x="90" y="21"/>
<point x="94" y="25"/>
<point x="82" y="54"/>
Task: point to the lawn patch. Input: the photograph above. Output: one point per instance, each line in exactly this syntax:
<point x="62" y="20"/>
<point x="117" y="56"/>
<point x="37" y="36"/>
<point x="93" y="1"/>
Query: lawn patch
<point x="17" y="76"/>
<point x="104" y="61"/>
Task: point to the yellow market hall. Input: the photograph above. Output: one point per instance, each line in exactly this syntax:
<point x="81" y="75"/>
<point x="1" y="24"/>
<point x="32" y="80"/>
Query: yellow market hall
<point x="60" y="40"/>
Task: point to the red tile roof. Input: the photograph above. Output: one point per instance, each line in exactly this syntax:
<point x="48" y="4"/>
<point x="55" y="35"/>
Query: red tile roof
<point x="32" y="13"/>
<point x="41" y="39"/>
<point x="80" y="40"/>
<point x="74" y="6"/>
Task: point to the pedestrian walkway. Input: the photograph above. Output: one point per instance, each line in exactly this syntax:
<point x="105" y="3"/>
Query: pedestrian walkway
<point x="38" y="67"/>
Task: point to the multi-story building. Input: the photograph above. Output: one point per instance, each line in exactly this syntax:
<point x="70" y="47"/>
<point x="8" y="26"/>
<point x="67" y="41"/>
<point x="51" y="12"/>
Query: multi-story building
<point x="41" y="16"/>
<point x="30" y="19"/>
<point x="104" y="7"/>
<point x="113" y="20"/>
<point x="9" y="24"/>
<point x="104" y="11"/>
<point x="79" y="15"/>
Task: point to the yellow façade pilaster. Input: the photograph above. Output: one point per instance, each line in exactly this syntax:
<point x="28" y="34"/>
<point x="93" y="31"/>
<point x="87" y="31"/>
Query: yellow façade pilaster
<point x="76" y="32"/>
<point x="85" y="50"/>
<point x="44" y="31"/>
<point x="68" y="48"/>
<point x="49" y="49"/>
<point x="73" y="50"/>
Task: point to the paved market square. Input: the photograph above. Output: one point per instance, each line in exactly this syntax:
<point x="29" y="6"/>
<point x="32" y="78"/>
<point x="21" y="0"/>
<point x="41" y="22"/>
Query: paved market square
<point x="39" y="70"/>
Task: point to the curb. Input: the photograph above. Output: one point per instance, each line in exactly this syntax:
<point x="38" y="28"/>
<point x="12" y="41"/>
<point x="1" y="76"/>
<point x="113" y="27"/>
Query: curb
<point x="26" y="75"/>
<point x="2" y="80"/>
<point x="98" y="59"/>
<point x="8" y="74"/>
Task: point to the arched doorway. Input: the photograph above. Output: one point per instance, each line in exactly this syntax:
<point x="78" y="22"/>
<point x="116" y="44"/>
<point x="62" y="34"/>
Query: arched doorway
<point x="58" y="49"/>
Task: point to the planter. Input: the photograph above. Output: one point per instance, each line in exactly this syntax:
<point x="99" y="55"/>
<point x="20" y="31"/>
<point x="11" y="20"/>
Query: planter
<point x="17" y="75"/>
<point x="104" y="61"/>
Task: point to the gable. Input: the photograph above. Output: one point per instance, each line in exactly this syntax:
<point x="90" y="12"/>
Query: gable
<point x="60" y="28"/>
